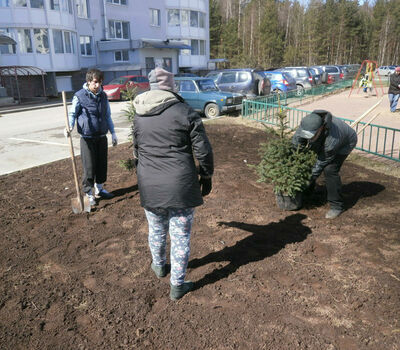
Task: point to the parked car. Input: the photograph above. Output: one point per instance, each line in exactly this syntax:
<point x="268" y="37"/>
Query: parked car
<point x="303" y="77"/>
<point x="317" y="74"/>
<point x="347" y="73"/>
<point x="280" y="81"/>
<point x="333" y="71"/>
<point x="204" y="96"/>
<point x="114" y="88"/>
<point x="248" y="82"/>
<point x="385" y="70"/>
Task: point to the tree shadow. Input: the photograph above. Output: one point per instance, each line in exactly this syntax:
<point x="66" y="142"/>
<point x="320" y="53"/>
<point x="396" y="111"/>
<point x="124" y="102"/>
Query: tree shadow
<point x="265" y="241"/>
<point x="352" y="193"/>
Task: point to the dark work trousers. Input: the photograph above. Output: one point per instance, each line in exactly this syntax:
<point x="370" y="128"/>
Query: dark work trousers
<point x="334" y="183"/>
<point x="94" y="161"/>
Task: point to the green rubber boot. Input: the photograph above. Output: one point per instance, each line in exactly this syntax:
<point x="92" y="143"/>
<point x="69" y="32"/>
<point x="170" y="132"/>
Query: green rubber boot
<point x="160" y="271"/>
<point x="178" y="292"/>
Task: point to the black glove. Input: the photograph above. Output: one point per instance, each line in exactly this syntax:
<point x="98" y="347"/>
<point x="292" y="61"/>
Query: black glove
<point x="311" y="187"/>
<point x="205" y="186"/>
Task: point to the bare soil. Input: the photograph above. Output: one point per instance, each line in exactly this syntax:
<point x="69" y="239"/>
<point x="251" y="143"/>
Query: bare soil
<point x="264" y="278"/>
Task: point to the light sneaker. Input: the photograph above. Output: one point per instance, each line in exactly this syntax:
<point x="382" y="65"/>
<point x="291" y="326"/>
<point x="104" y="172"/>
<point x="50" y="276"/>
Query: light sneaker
<point x="178" y="292"/>
<point x="333" y="213"/>
<point x="103" y="193"/>
<point x="92" y="199"/>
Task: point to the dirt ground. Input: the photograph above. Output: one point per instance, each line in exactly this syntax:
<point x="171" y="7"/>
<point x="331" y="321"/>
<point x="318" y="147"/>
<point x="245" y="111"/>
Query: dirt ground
<point x="264" y="278"/>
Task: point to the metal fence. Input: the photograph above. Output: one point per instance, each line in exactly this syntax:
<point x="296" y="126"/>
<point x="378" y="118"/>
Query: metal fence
<point x="374" y="139"/>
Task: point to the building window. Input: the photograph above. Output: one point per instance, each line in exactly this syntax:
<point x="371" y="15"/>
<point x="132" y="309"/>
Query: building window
<point x="58" y="41"/>
<point x="64" y="6"/>
<point x="24" y="40"/>
<point x="198" y="47"/>
<point x="167" y="64"/>
<point x="173" y="18"/>
<point x="202" y="20"/>
<point x="7" y="49"/>
<point x="195" y="47"/>
<point x="155" y="17"/>
<point x="185" y="18"/>
<point x="121" y="56"/>
<point x="86" y="45"/>
<point x="118" y="29"/>
<point x="55" y="5"/>
<point x="117" y="2"/>
<point x="4" y="3"/>
<point x="19" y="3"/>
<point x="150" y="64"/>
<point x="37" y="4"/>
<point x="68" y="42"/>
<point x="202" y="47"/>
<point x="82" y="8"/>
<point x="194" y="19"/>
<point x="185" y="52"/>
<point x="41" y="39"/>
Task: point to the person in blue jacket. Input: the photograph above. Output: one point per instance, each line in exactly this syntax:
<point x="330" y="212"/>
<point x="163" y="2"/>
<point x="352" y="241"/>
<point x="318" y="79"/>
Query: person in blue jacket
<point x="332" y="140"/>
<point x="91" y="112"/>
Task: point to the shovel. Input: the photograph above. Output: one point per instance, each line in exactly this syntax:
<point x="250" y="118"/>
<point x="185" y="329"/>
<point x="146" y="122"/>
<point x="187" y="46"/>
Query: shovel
<point x="79" y="204"/>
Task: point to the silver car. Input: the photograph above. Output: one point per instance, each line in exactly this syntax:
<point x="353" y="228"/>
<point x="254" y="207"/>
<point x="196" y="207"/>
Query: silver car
<point x="303" y="77"/>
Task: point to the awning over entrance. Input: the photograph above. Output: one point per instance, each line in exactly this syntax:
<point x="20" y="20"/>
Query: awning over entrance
<point x="119" y="67"/>
<point x="164" y="44"/>
<point x="6" y="40"/>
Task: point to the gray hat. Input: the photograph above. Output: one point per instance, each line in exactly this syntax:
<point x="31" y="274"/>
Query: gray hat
<point x="310" y="125"/>
<point x="160" y="79"/>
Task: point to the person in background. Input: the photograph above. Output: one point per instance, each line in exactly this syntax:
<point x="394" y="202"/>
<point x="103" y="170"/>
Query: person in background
<point x="332" y="140"/>
<point x="394" y="89"/>
<point x="91" y="111"/>
<point x="168" y="134"/>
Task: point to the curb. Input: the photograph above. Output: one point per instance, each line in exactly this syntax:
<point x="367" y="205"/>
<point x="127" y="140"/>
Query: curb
<point x="31" y="108"/>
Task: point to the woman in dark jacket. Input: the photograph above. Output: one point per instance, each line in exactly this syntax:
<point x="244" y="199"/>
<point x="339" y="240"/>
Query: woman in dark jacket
<point x="167" y="134"/>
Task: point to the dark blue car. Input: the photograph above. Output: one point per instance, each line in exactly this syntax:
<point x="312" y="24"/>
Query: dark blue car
<point x="203" y="96"/>
<point x="280" y="81"/>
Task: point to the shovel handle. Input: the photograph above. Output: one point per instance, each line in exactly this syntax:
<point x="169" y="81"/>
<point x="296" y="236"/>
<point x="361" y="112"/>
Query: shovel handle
<point x="71" y="148"/>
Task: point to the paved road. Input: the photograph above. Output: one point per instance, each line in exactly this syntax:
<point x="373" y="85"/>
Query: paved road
<point x="35" y="137"/>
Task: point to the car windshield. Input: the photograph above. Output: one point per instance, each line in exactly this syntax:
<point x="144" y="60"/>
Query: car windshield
<point x="207" y="85"/>
<point x="118" y="81"/>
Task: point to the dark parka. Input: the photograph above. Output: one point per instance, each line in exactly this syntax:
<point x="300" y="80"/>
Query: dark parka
<point x="167" y="133"/>
<point x="339" y="139"/>
<point x="394" y="83"/>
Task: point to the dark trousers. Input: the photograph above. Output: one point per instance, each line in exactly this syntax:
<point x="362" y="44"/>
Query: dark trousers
<point x="94" y="161"/>
<point x="334" y="183"/>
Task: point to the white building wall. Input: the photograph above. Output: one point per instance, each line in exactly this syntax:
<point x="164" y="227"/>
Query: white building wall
<point x="136" y="12"/>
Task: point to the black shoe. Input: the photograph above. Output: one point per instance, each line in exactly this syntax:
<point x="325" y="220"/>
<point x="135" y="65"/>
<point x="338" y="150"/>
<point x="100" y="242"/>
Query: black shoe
<point x="178" y="292"/>
<point x="104" y="194"/>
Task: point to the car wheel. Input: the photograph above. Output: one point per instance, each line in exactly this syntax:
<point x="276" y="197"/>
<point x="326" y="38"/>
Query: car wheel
<point x="300" y="90"/>
<point x="211" y="111"/>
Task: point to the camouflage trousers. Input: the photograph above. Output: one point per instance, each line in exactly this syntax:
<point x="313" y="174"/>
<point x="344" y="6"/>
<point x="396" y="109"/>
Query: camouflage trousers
<point x="178" y="222"/>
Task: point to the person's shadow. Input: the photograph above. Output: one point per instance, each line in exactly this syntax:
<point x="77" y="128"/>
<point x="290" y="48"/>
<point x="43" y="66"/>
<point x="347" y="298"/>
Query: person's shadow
<point x="264" y="241"/>
<point x="352" y="193"/>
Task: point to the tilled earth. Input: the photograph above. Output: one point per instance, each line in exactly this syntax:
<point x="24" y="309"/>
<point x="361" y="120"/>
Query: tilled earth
<point x="264" y="278"/>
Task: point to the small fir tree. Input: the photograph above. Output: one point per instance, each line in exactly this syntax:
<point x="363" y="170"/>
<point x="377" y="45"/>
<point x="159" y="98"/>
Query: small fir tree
<point x="129" y="94"/>
<point x="286" y="167"/>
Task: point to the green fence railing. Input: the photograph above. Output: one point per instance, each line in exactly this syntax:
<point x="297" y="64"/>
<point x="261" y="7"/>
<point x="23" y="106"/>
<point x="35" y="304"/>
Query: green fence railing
<point x="374" y="139"/>
<point x="300" y="95"/>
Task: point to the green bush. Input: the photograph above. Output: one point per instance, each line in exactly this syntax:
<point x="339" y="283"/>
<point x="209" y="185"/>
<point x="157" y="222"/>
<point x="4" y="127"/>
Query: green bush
<point x="286" y="167"/>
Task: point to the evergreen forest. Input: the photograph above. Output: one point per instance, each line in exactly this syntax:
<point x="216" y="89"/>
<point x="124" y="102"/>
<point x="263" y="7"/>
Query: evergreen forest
<point x="275" y="33"/>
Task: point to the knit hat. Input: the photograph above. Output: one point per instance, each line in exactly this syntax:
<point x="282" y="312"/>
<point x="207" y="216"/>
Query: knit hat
<point x="397" y="69"/>
<point x="310" y="125"/>
<point x="160" y="79"/>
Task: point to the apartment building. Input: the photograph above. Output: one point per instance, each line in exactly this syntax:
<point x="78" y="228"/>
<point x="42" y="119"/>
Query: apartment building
<point x="66" y="37"/>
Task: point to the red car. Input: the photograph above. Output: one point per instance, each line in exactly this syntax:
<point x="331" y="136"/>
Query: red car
<point x="114" y="87"/>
